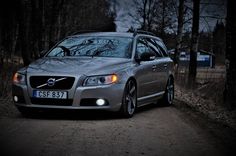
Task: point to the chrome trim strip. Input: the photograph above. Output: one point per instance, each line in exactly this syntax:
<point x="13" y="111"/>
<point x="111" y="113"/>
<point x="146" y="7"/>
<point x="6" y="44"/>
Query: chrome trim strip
<point x="47" y="83"/>
<point x="151" y="96"/>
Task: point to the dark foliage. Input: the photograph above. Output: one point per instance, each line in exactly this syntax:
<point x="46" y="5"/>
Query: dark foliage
<point x="230" y="85"/>
<point x="219" y="41"/>
<point x="30" y="26"/>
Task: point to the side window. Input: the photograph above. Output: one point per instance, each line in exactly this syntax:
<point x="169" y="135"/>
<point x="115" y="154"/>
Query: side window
<point x="154" y="47"/>
<point x="141" y="47"/>
<point x="57" y="52"/>
<point x="162" y="48"/>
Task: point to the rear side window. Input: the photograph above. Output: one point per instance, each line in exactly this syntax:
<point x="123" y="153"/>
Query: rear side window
<point x="154" y="47"/>
<point x="162" y="48"/>
<point x="148" y="45"/>
<point x="143" y="47"/>
<point x="151" y="45"/>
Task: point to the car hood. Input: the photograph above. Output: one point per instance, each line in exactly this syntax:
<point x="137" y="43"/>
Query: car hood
<point x="77" y="66"/>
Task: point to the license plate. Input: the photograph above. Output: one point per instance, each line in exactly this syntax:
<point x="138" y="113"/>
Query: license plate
<point x="50" y="94"/>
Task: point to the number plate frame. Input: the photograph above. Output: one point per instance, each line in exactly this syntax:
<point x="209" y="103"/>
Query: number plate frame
<point x="50" y="94"/>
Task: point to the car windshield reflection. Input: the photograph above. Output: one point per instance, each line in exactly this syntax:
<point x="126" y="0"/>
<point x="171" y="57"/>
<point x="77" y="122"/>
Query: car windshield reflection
<point x="119" y="47"/>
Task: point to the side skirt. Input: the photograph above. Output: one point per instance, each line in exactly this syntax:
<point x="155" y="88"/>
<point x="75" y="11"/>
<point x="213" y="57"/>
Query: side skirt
<point x="145" y="100"/>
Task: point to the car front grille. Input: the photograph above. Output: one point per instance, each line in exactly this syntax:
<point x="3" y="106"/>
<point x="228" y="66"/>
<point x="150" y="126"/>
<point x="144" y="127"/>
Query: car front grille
<point x="54" y="102"/>
<point x="41" y="82"/>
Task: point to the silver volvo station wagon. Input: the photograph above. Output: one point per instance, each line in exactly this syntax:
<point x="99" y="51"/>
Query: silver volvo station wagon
<point x="103" y="70"/>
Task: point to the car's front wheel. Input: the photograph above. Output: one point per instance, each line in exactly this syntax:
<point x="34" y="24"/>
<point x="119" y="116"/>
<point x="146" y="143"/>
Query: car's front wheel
<point x="129" y="101"/>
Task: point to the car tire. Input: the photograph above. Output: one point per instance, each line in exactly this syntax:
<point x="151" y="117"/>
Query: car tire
<point x="169" y="92"/>
<point x="129" y="100"/>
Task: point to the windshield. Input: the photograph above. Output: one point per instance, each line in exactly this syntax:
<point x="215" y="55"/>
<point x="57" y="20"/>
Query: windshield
<point x="99" y="46"/>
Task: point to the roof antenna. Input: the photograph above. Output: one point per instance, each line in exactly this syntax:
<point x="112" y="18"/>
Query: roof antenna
<point x="135" y="32"/>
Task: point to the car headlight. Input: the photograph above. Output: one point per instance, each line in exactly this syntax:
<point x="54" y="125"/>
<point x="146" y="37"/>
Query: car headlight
<point x="100" y="80"/>
<point x="19" y="78"/>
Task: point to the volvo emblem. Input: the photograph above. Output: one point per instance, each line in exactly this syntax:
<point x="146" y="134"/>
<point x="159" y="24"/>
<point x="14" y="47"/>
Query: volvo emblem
<point x="51" y="82"/>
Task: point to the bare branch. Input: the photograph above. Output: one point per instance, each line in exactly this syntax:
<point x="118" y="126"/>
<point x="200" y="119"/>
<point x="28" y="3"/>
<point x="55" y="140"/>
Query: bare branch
<point x="209" y="16"/>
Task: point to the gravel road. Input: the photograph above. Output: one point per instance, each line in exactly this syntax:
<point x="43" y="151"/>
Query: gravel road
<point x="163" y="131"/>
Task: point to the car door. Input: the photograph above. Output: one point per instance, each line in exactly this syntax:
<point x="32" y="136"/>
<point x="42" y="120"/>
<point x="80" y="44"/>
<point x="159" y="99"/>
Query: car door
<point x="145" y="71"/>
<point x="159" y="72"/>
<point x="167" y="63"/>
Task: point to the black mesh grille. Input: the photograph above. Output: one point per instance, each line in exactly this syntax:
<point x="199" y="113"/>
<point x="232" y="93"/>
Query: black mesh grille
<point x="66" y="83"/>
<point x="55" y="102"/>
<point x="90" y="102"/>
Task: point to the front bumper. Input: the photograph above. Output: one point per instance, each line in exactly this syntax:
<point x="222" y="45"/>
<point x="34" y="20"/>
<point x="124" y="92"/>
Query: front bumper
<point x="111" y="93"/>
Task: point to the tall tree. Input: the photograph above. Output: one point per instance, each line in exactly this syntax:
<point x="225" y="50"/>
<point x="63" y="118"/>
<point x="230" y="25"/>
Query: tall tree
<point x="230" y="84"/>
<point x="9" y="12"/>
<point x="154" y="15"/>
<point x="24" y="30"/>
<point x="144" y="14"/>
<point x="164" y="17"/>
<point x="194" y="44"/>
<point x="34" y="25"/>
<point x="219" y="41"/>
<point x="145" y="10"/>
<point x="179" y="32"/>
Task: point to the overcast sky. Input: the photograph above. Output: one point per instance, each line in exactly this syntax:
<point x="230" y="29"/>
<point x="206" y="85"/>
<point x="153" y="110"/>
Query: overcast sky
<point x="209" y="9"/>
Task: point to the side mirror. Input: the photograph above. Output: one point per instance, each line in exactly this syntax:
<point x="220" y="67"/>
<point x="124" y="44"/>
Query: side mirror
<point x="146" y="57"/>
<point x="42" y="53"/>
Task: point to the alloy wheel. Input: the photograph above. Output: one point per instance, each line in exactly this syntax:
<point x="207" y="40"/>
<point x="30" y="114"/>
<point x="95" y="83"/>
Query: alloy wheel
<point x="170" y="91"/>
<point x="130" y="99"/>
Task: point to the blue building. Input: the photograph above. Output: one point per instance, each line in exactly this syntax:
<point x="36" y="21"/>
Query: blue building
<point x="204" y="59"/>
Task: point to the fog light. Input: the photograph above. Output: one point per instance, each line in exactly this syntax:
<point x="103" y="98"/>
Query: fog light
<point x="15" y="98"/>
<point x="100" y="102"/>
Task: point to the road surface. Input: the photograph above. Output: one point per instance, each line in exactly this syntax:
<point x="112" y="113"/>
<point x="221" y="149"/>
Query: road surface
<point x="153" y="131"/>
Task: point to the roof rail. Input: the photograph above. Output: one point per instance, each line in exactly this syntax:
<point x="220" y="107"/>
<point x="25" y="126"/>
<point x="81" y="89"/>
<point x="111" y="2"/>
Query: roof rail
<point x="135" y="31"/>
<point x="83" y="31"/>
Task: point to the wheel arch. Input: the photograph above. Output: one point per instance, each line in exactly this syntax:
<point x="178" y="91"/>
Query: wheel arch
<point x="171" y="76"/>
<point x="135" y="81"/>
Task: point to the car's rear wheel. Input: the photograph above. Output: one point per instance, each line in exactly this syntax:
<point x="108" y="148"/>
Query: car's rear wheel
<point x="129" y="101"/>
<point x="169" y="92"/>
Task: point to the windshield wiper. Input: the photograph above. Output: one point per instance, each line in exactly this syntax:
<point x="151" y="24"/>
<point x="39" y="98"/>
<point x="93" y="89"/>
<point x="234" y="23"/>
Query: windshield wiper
<point x="97" y="52"/>
<point x="65" y="50"/>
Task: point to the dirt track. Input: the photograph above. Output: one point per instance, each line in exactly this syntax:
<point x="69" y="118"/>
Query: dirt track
<point x="152" y="131"/>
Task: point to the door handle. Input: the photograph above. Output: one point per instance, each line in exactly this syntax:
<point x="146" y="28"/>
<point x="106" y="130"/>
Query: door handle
<point x="154" y="67"/>
<point x="165" y="65"/>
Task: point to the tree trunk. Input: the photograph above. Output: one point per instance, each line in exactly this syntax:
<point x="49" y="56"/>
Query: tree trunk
<point x="230" y="85"/>
<point x="24" y="31"/>
<point x="194" y="44"/>
<point x="148" y="15"/>
<point x="55" y="21"/>
<point x="179" y="33"/>
<point x="163" y="18"/>
<point x="144" y="14"/>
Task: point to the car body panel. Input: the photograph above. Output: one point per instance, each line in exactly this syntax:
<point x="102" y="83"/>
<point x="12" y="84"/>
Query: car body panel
<point x="151" y="83"/>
